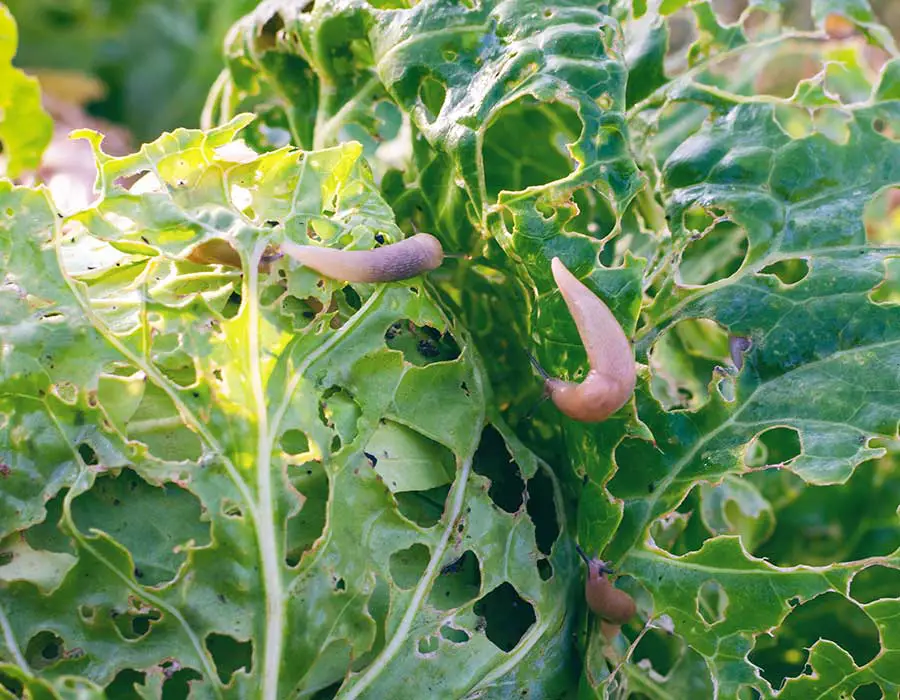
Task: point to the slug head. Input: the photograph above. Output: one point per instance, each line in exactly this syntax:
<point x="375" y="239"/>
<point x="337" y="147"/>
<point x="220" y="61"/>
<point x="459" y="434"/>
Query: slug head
<point x="603" y="598"/>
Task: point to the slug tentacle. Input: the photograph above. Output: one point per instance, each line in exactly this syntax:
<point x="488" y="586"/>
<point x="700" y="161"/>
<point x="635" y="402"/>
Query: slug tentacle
<point x="396" y="261"/>
<point x="603" y="598"/>
<point x="611" y="379"/>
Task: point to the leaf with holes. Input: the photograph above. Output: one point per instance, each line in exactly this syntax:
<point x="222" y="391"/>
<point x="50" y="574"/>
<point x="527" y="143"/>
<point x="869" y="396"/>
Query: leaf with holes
<point x="726" y="200"/>
<point x="245" y="477"/>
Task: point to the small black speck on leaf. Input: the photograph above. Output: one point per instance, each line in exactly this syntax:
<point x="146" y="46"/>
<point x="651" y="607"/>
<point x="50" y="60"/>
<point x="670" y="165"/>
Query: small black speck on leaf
<point x="138" y="573"/>
<point x="373" y="460"/>
<point x="117" y="502"/>
<point x="379" y="238"/>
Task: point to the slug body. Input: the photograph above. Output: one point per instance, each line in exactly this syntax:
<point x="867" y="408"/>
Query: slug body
<point x="737" y="346"/>
<point x="611" y="379"/>
<point x="603" y="598"/>
<point x="396" y="261"/>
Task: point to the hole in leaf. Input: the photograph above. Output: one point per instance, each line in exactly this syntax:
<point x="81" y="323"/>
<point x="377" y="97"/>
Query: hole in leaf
<point x="869" y="691"/>
<point x="303" y="529"/>
<point x="122" y="505"/>
<point x="875" y="583"/>
<point x="122" y="686"/>
<point x="748" y="692"/>
<point x="178" y="684"/>
<point x="715" y="255"/>
<point x="541" y="509"/>
<point x="454" y="634"/>
<point x="881" y="217"/>
<point x="136" y="621"/>
<point x="378" y="607"/>
<point x="87" y="454"/>
<point x="294" y="442"/>
<point x="493" y="461"/>
<point x="232" y="306"/>
<point x="229" y="655"/>
<point x="699" y="219"/>
<point x="408" y="565"/>
<point x="712" y="602"/>
<point x="424" y="508"/>
<point x="432" y="93"/>
<point x="300" y="311"/>
<point x="12" y="685"/>
<point x="339" y="411"/>
<point x="887" y="292"/>
<point x="421" y="345"/>
<point x="775" y="446"/>
<point x="829" y="616"/>
<point x="683" y="360"/>
<point x="428" y="645"/>
<point x="885" y="128"/>
<point x="328" y="692"/>
<point x="458" y="583"/>
<point x="545" y="569"/>
<point x="524" y="145"/>
<point x="821" y="525"/>
<point x="352" y="298"/>
<point x="660" y="649"/>
<point x="795" y="121"/>
<point x="230" y="509"/>
<point x="44" y="649"/>
<point x="507" y="616"/>
<point x="789" y="271"/>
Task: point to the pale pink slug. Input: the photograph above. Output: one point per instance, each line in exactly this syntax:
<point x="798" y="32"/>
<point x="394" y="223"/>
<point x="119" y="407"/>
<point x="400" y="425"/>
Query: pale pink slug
<point x="610" y="382"/>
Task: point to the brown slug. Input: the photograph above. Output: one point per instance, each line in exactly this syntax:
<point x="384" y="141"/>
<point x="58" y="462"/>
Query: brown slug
<point x="603" y="598"/>
<point x="395" y="261"/>
<point x="611" y="379"/>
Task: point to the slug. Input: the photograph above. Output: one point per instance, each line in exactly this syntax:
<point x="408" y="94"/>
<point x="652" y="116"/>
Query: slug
<point x="604" y="599"/>
<point x="737" y="346"/>
<point x="396" y="261"/>
<point x="611" y="379"/>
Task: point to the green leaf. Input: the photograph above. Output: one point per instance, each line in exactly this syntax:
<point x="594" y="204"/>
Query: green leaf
<point x="200" y="463"/>
<point x="25" y="128"/>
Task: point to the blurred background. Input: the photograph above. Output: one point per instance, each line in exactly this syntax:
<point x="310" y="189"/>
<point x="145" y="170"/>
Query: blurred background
<point x="147" y="65"/>
<point x="144" y="64"/>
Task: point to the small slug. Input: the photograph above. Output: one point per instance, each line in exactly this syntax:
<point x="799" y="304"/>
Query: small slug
<point x="611" y="379"/>
<point x="396" y="261"/>
<point x="607" y="601"/>
<point x="737" y="346"/>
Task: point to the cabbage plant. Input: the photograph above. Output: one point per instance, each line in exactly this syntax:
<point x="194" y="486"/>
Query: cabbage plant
<point x="247" y="480"/>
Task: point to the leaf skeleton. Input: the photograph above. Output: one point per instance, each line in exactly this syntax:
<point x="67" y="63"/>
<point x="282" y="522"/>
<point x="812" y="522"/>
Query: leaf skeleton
<point x="611" y="380"/>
